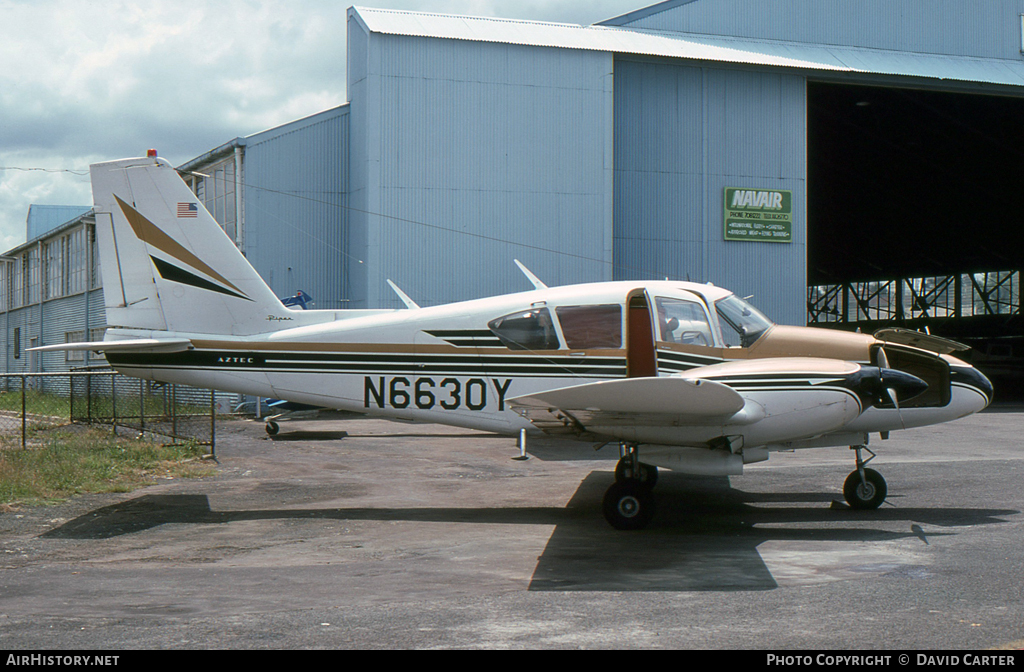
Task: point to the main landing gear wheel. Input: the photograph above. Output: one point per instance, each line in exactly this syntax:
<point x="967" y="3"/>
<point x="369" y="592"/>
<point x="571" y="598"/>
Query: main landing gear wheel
<point x="629" y="502"/>
<point x="865" y="493"/>
<point x="273" y="428"/>
<point x="628" y="505"/>
<point x="648" y="473"/>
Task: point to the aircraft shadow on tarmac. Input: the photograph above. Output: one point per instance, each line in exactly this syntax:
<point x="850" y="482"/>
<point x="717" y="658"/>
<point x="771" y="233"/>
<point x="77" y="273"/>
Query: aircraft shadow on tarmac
<point x="309" y="435"/>
<point x="329" y="435"/>
<point x="704" y="536"/>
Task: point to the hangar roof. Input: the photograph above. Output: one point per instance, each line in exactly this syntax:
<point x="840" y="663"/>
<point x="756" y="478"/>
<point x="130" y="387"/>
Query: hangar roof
<point x="623" y="40"/>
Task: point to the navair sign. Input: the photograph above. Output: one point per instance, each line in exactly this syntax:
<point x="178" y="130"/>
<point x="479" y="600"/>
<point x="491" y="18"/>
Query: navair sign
<point x="759" y="215"/>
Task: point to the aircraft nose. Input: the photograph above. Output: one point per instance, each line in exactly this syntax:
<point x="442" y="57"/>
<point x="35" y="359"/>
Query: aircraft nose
<point x="971" y="377"/>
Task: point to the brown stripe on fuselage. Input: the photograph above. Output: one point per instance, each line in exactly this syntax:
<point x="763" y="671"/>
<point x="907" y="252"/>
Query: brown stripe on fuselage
<point x="393" y="348"/>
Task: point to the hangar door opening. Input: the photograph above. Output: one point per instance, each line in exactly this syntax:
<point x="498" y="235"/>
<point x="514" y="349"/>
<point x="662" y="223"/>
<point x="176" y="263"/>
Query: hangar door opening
<point x="916" y="217"/>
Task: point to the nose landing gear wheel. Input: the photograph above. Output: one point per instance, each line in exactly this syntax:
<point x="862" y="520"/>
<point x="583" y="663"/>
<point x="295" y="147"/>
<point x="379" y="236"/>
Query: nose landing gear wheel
<point x="272" y="428"/>
<point x="866" y="493"/>
<point x="628" y="505"/>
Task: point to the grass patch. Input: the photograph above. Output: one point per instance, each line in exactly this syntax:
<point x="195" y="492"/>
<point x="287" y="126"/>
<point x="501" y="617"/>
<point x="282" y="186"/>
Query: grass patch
<point x="92" y="461"/>
<point x="36" y="403"/>
<point x="153" y="404"/>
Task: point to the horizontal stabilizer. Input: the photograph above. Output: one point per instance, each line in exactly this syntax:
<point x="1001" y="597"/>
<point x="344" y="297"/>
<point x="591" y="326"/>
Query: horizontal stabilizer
<point x="133" y="345"/>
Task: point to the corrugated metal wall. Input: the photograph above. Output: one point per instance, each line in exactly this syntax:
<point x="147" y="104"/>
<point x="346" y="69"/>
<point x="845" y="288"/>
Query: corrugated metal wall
<point x="59" y="317"/>
<point x="468" y="155"/>
<point x="682" y="135"/>
<point x="295" y="207"/>
<point x="990" y="28"/>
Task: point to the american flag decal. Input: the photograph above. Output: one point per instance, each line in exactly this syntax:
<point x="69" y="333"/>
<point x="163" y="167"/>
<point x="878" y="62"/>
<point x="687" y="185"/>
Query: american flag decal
<point x="188" y="210"/>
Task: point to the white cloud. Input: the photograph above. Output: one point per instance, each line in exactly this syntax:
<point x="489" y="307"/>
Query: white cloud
<point x="86" y="81"/>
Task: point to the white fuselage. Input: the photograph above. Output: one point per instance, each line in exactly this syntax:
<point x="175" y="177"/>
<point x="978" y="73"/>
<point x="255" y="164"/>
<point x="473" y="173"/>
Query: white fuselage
<point x="443" y="365"/>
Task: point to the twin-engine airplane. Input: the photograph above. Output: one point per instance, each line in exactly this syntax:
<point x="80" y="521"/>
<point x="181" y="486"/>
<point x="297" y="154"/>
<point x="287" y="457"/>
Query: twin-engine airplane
<point x="688" y="375"/>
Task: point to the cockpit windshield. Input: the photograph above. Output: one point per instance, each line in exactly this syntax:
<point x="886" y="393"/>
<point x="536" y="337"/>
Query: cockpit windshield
<point x="742" y="324"/>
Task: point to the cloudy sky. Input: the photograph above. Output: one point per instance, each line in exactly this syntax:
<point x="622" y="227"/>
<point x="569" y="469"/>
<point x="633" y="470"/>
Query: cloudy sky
<point x="93" y="80"/>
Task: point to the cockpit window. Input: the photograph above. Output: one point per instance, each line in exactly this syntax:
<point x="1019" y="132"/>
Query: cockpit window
<point x="682" y="321"/>
<point x="742" y="324"/>
<point x="526" y="330"/>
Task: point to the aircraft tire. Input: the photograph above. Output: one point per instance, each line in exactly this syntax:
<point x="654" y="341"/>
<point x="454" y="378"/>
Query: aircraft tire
<point x="862" y="497"/>
<point x="273" y="428"/>
<point x="628" y="506"/>
<point x="648" y="473"/>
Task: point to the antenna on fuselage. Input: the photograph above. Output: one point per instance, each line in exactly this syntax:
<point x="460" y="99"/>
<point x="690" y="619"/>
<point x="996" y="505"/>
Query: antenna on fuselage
<point x="530" y="276"/>
<point x="409" y="303"/>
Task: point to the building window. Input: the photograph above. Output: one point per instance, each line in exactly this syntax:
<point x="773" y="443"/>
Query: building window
<point x="94" y="336"/>
<point x="5" y="286"/>
<point x="217" y="192"/>
<point x="95" y="280"/>
<point x="74" y="337"/>
<point x="16" y="342"/>
<point x="17" y="274"/>
<point x="33" y="280"/>
<point x="76" y="262"/>
<point x="54" y="257"/>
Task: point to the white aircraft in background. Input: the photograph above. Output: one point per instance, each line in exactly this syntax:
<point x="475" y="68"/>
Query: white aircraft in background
<point x="688" y="375"/>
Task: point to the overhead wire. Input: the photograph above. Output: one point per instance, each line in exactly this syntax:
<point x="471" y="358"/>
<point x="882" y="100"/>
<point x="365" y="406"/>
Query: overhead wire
<point x="79" y="172"/>
<point x="437" y="227"/>
<point x="395" y="218"/>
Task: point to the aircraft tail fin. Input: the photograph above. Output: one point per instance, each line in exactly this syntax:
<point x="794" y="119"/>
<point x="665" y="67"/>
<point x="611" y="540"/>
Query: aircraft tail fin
<point x="166" y="264"/>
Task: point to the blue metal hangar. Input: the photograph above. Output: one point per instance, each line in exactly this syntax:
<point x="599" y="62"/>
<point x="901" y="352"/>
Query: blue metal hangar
<point x="790" y="150"/>
<point x="850" y="163"/>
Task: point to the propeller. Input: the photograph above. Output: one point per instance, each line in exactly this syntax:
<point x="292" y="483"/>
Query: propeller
<point x="893" y="383"/>
<point x="883" y="366"/>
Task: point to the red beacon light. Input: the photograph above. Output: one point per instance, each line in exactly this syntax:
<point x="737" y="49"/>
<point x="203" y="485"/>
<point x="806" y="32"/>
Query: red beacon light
<point x="151" y="154"/>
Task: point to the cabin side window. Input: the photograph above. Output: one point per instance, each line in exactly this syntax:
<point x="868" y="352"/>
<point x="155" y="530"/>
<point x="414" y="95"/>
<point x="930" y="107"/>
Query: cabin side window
<point x="526" y="330"/>
<point x="591" y="327"/>
<point x="683" y="321"/>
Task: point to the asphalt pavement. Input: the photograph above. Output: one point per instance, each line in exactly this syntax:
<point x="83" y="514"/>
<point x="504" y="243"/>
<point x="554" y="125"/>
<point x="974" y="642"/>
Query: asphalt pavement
<point x="360" y="533"/>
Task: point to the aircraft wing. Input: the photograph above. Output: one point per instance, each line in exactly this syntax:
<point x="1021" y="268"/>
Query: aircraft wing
<point x="663" y="401"/>
<point x="132" y="345"/>
<point x="917" y="339"/>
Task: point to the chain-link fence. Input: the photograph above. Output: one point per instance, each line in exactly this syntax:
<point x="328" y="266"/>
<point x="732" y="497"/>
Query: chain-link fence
<point x="33" y="406"/>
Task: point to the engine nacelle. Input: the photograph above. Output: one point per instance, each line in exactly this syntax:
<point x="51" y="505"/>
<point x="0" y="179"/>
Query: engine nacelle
<point x="702" y="461"/>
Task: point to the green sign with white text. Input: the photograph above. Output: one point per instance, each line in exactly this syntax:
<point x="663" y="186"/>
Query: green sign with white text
<point x="759" y="215"/>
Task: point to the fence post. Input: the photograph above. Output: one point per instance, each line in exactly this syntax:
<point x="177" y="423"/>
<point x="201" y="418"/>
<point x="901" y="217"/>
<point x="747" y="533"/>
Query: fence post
<point x="113" y="400"/>
<point x="174" y="410"/>
<point x="23" y="428"/>
<point x="142" y="406"/>
<point x="213" y="424"/>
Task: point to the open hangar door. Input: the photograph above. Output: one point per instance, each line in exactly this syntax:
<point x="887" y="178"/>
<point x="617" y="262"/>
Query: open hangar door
<point x="916" y="217"/>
